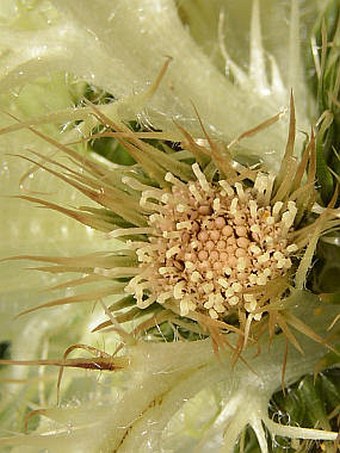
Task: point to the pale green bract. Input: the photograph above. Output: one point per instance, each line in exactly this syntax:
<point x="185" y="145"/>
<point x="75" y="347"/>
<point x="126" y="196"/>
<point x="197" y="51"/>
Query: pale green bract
<point x="177" y="397"/>
<point x="120" y="46"/>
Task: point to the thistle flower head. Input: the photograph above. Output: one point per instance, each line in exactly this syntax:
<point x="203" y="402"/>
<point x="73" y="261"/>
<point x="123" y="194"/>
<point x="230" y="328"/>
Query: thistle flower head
<point x="202" y="243"/>
<point x="201" y="237"/>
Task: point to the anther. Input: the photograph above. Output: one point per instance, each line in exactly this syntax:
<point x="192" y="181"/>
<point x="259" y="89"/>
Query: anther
<point x="233" y="206"/>
<point x="227" y="187"/>
<point x="228" y="271"/>
<point x="202" y="180"/>
<point x="193" y="189"/>
<point x="195" y="277"/>
<point x="183" y="225"/>
<point x="234" y="300"/>
<point x="292" y="248"/>
<point x="213" y="313"/>
<point x="253" y="208"/>
<point x="240" y="191"/>
<point x="255" y="228"/>
<point x="216" y="205"/>
<point x="178" y="289"/>
<point x="236" y="287"/>
<point x="277" y="208"/>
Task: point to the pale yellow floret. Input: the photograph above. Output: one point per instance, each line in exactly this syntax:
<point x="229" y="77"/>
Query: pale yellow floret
<point x="193" y="189"/>
<point x="277" y="208"/>
<point x="292" y="248"/>
<point x="201" y="178"/>
<point x="264" y="258"/>
<point x="234" y="300"/>
<point x="233" y="206"/>
<point x="240" y="191"/>
<point x="173" y="251"/>
<point x="227" y="187"/>
<point x="253" y="208"/>
<point x="213" y="314"/>
<point x="163" y="297"/>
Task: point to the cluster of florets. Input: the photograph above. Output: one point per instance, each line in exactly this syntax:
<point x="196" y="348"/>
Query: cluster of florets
<point x="212" y="245"/>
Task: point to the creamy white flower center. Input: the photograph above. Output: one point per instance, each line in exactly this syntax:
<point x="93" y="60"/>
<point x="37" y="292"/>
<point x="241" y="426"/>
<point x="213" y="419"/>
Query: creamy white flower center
<point x="213" y="244"/>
